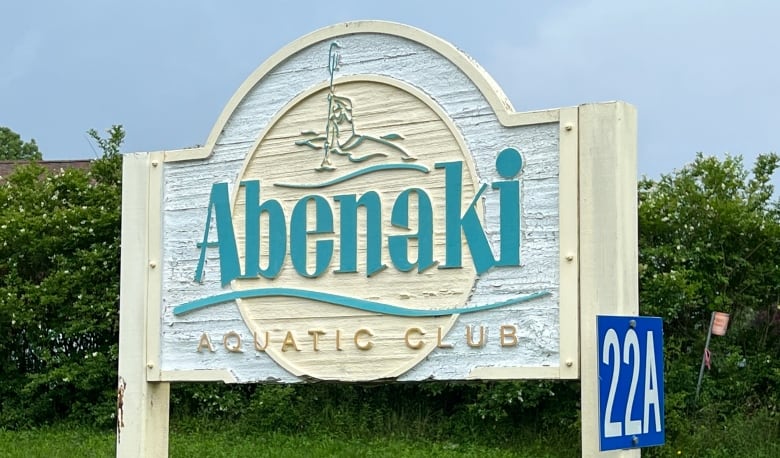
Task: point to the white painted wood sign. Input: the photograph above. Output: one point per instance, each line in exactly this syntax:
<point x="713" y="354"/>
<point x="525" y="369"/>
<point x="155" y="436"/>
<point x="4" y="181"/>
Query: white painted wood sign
<point x="370" y="207"/>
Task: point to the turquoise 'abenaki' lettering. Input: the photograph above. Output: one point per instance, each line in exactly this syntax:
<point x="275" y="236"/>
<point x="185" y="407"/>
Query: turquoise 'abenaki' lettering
<point x="323" y="221"/>
<point x="277" y="233"/>
<point x="349" y="204"/>
<point x="509" y="163"/>
<point x="468" y="222"/>
<point x="228" y="254"/>
<point x="458" y="223"/>
<point x="399" y="244"/>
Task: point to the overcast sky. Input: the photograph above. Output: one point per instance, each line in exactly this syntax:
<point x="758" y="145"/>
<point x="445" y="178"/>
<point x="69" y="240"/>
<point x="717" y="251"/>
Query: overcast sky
<point x="704" y="75"/>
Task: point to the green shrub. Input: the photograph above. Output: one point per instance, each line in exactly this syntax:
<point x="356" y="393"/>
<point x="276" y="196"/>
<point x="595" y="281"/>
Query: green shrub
<point x="708" y="241"/>
<point x="59" y="294"/>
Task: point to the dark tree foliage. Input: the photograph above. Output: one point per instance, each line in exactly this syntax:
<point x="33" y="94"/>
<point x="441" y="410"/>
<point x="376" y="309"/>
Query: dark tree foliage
<point x="59" y="292"/>
<point x="12" y="147"/>
<point x="709" y="240"/>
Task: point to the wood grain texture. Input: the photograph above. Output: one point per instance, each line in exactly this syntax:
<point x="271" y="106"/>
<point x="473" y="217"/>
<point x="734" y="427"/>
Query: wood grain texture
<point x="258" y="125"/>
<point x="608" y="233"/>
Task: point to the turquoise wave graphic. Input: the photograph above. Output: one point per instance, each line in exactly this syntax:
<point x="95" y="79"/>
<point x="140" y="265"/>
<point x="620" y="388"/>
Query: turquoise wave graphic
<point x="355" y="174"/>
<point x="351" y="302"/>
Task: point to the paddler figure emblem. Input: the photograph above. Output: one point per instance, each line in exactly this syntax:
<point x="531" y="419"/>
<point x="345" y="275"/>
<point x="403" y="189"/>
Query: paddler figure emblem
<point x="340" y="135"/>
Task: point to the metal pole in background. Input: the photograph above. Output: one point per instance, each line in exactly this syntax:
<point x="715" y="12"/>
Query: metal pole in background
<point x="704" y="355"/>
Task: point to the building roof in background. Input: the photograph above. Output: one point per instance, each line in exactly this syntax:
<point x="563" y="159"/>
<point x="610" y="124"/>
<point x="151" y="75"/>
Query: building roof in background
<point x="7" y="167"/>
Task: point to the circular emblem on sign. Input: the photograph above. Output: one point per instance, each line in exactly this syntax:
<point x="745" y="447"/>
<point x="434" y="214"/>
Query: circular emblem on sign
<point x="355" y="287"/>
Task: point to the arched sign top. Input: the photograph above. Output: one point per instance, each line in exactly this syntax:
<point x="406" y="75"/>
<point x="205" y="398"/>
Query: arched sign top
<point x="369" y="206"/>
<point x="490" y="90"/>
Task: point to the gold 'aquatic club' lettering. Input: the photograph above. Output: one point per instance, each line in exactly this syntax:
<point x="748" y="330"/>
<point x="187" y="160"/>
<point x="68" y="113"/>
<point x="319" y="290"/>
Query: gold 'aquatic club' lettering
<point x="362" y="339"/>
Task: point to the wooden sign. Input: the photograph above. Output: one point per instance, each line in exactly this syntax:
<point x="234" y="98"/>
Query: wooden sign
<point x="368" y="207"/>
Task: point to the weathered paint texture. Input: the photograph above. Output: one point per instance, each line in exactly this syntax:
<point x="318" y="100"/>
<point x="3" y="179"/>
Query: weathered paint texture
<point x="464" y="110"/>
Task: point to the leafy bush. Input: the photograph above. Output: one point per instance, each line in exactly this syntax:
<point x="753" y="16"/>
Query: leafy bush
<point x="59" y="293"/>
<point x="709" y="241"/>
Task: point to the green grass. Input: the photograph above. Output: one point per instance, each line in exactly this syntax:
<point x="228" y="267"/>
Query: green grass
<point x="57" y="442"/>
<point x="76" y="442"/>
<point x="757" y="436"/>
<point x="277" y="445"/>
<point x="753" y="436"/>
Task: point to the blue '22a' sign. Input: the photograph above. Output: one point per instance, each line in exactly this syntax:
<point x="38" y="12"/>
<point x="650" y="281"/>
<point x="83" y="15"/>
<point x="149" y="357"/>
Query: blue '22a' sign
<point x="631" y="383"/>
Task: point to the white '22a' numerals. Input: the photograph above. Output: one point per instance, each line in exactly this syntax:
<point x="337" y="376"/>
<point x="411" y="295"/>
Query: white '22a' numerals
<point x="630" y="357"/>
